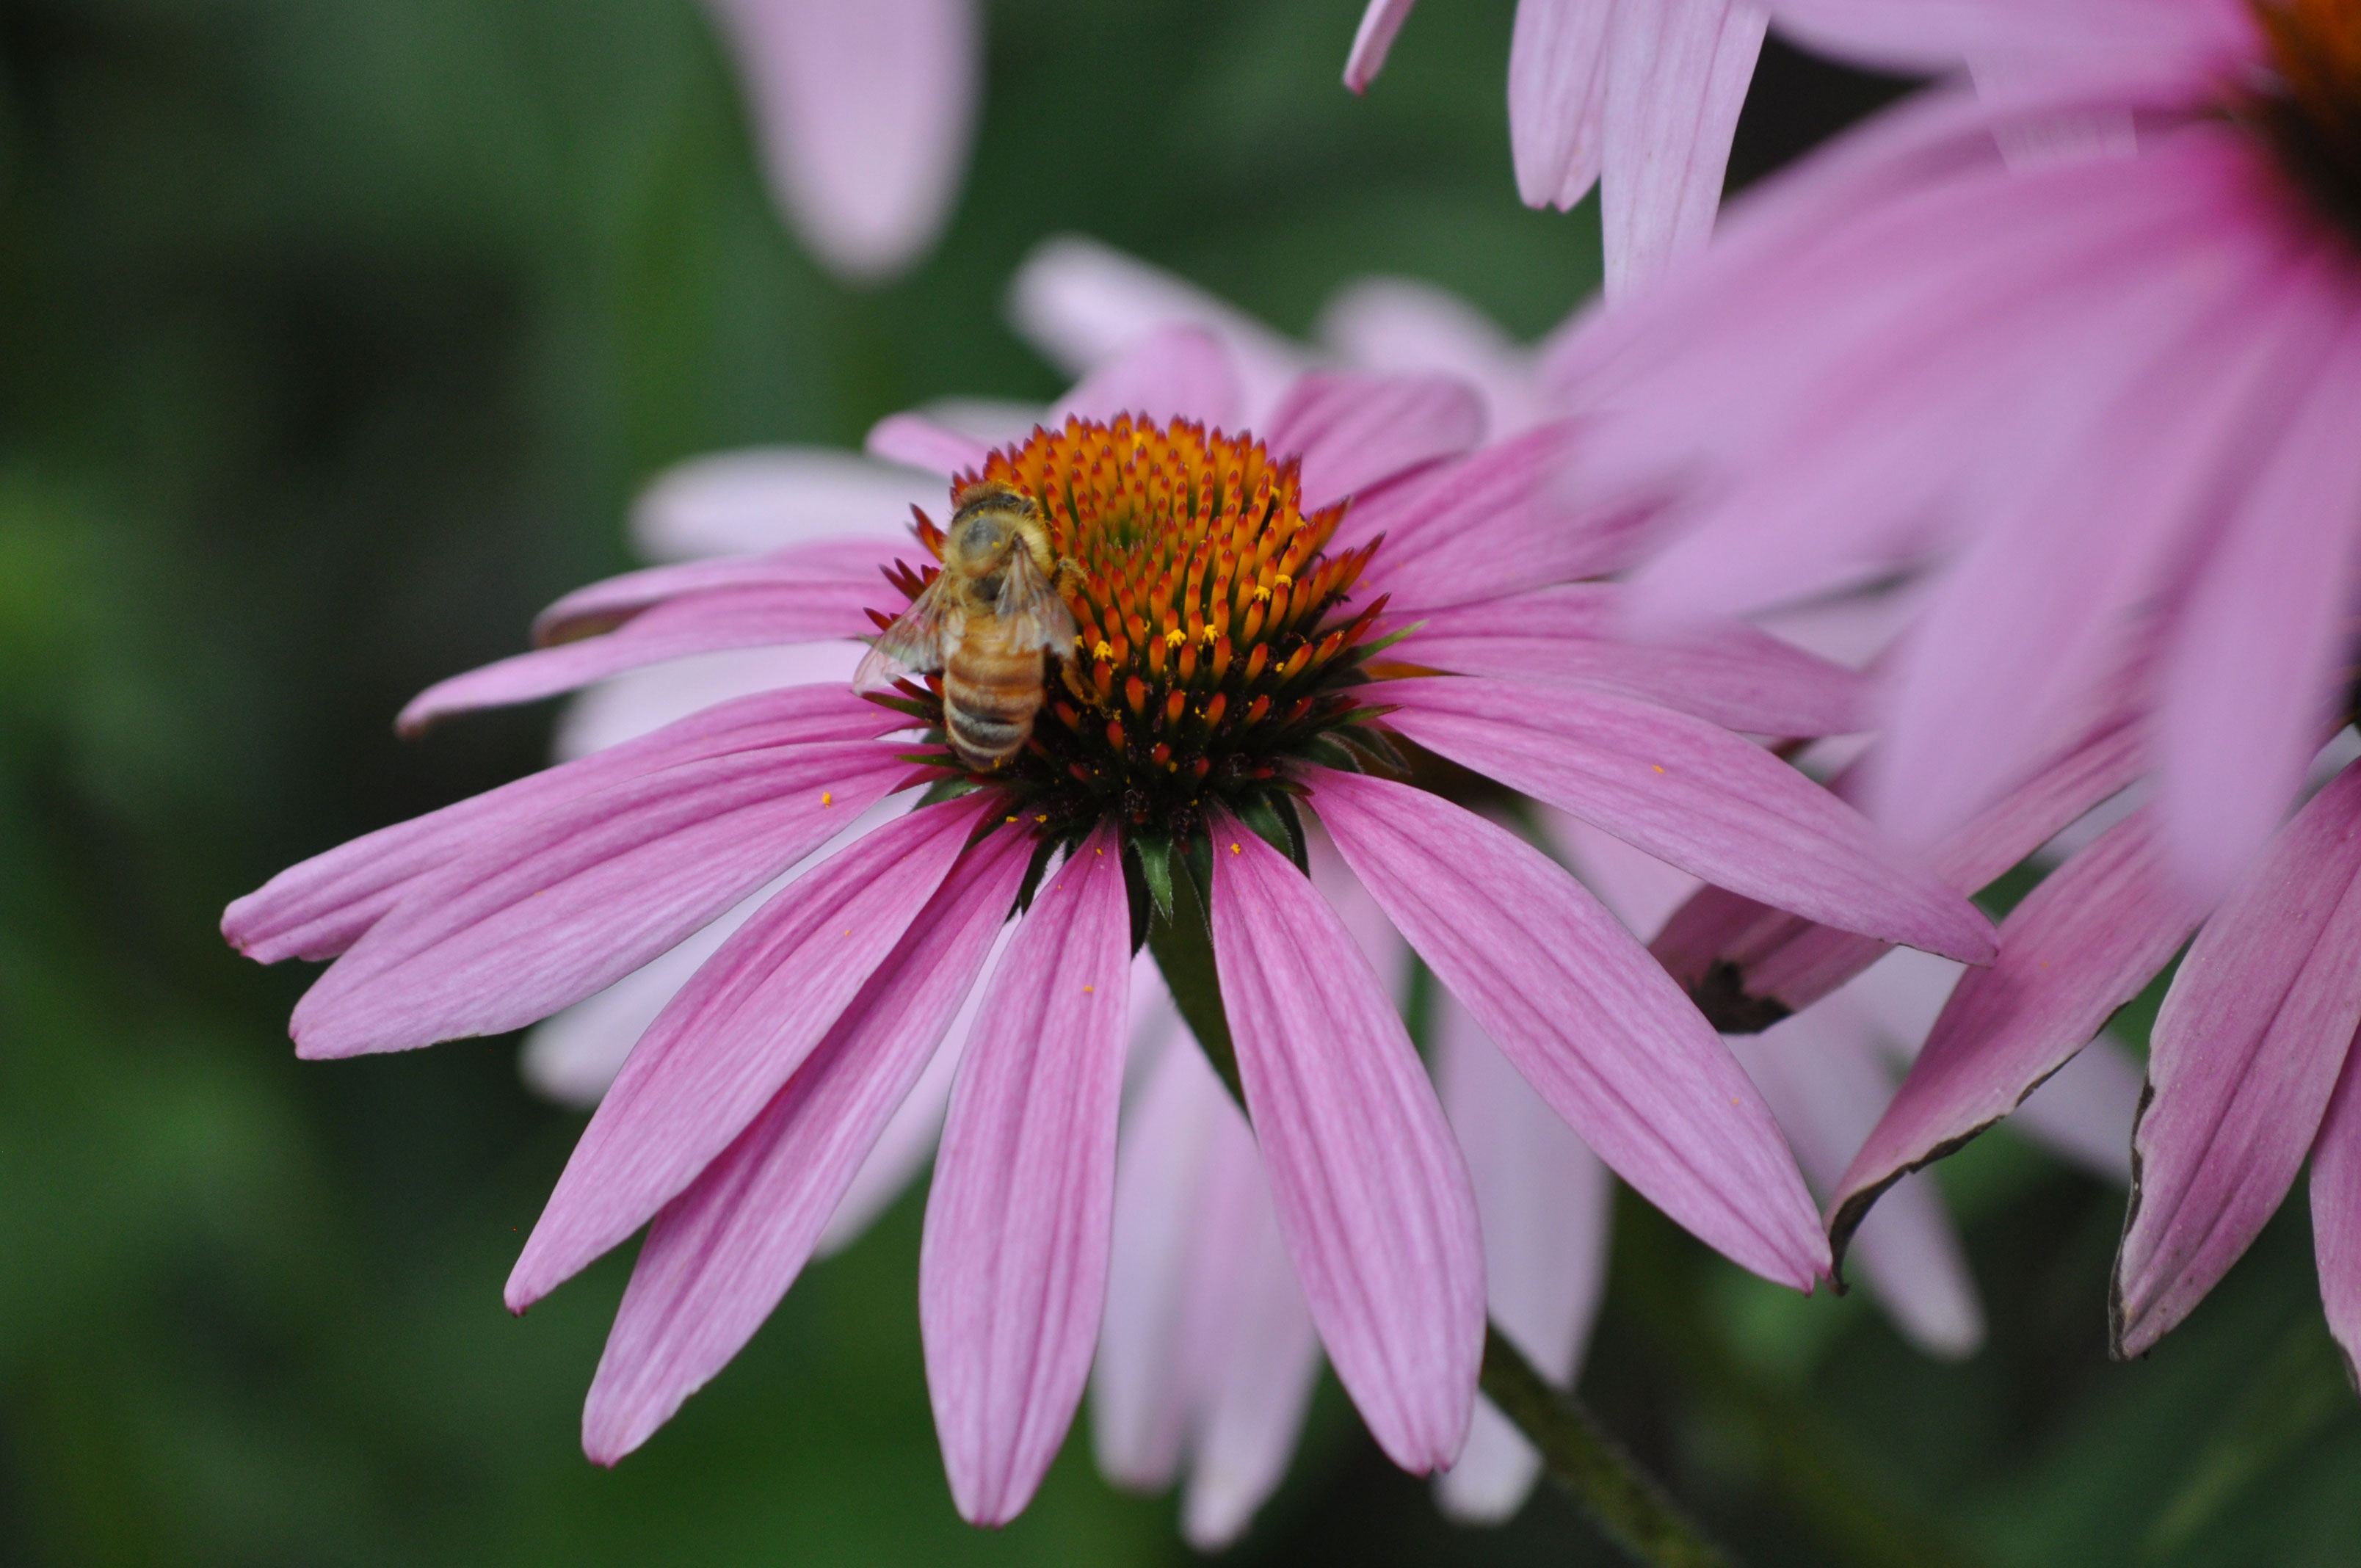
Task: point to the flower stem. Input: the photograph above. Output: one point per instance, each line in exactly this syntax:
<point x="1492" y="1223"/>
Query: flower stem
<point x="1626" y="1503"/>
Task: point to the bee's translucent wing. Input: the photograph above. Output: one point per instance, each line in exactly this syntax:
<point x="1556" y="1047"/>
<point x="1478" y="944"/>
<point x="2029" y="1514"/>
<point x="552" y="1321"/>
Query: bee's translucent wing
<point x="913" y="645"/>
<point x="1031" y="613"/>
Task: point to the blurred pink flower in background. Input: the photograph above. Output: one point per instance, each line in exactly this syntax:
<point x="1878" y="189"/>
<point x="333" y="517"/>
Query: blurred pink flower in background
<point x="1639" y="97"/>
<point x="863" y="116"/>
<point x="742" y="1116"/>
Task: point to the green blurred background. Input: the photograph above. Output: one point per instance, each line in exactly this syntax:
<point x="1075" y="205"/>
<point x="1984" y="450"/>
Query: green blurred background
<point x="335" y="336"/>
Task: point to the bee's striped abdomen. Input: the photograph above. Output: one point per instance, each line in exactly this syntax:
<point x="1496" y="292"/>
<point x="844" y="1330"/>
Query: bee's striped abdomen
<point x="990" y="695"/>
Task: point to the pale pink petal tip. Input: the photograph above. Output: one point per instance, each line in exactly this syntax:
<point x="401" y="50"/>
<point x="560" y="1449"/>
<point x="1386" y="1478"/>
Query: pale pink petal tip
<point x="1373" y="39"/>
<point x="921" y="443"/>
<point x="865" y="113"/>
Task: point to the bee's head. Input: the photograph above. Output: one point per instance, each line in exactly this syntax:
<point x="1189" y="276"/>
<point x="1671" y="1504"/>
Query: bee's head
<point x="987" y="525"/>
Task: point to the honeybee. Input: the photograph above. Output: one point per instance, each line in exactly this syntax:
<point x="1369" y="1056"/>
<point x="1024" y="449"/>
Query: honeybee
<point x="985" y="622"/>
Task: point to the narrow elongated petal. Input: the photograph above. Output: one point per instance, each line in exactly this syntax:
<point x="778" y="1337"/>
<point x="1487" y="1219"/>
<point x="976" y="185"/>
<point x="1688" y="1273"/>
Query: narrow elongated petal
<point x="1692" y="793"/>
<point x="1013" y="1270"/>
<point x="1677" y="74"/>
<point x="865" y="113"/>
<point x="770" y="498"/>
<point x="2079" y="946"/>
<point x="917" y="441"/>
<point x="316" y="909"/>
<point x="1371" y="1191"/>
<point x="640" y="702"/>
<point x="736" y="1033"/>
<point x="1733" y="674"/>
<point x="1354" y="430"/>
<point x="1557" y="96"/>
<point x="1601" y="1031"/>
<point x="720" y="1255"/>
<point x="1174" y="372"/>
<point x="575" y="898"/>
<point x="602" y="607"/>
<point x="1372" y="39"/>
<point x="703" y="623"/>
<point x="1544" y="1200"/>
<point x="2336" y="1210"/>
<point x="2245" y="1054"/>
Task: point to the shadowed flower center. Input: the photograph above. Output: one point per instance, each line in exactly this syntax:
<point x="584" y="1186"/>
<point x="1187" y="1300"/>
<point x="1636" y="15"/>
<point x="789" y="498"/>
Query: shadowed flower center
<point x="1212" y="642"/>
<point x="2314" y="113"/>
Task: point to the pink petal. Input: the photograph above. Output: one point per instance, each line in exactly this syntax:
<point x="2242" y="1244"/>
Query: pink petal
<point x="2080" y="946"/>
<point x="1692" y="793"/>
<point x="1544" y="1201"/>
<point x="1821" y="1075"/>
<point x="1353" y="430"/>
<point x="640" y="702"/>
<point x="1176" y="372"/>
<point x="1730" y="673"/>
<point x="571" y="900"/>
<point x="1930" y="37"/>
<point x="316" y="909"/>
<point x="2084" y="1112"/>
<point x="1676" y="74"/>
<point x="700" y="623"/>
<point x="1372" y="39"/>
<point x="2258" y="661"/>
<point x="867" y="112"/>
<point x="1013" y="1270"/>
<point x="734" y="1034"/>
<point x="721" y="1254"/>
<point x="1401" y="325"/>
<point x="2244" y="1055"/>
<point x="1371" y="1192"/>
<point x="1598" y="1031"/>
<point x="2336" y="1210"/>
<point x="917" y="441"/>
<point x="1637" y="889"/>
<point x="604" y="606"/>
<point x="774" y="497"/>
<point x="1557" y="97"/>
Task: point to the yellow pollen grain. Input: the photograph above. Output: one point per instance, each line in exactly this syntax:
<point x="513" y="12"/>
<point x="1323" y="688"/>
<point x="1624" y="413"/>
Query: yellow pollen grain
<point x="1175" y="638"/>
<point x="1654" y="768"/>
<point x="1210" y="634"/>
<point x="1262" y="593"/>
<point x="1042" y="818"/>
<point x="1104" y="651"/>
<point x="1012" y="820"/>
<point x="828" y="798"/>
<point x="1088" y="988"/>
<point x="1234" y="849"/>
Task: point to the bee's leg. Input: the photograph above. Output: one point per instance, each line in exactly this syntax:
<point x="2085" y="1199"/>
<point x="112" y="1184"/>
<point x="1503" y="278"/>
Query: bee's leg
<point x="1070" y="575"/>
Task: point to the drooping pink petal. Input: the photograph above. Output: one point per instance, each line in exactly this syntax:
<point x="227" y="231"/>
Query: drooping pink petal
<point x="1372" y="39"/>
<point x="640" y="702"/>
<point x="764" y="498"/>
<point x="604" y="606"/>
<point x="1692" y="793"/>
<point x="734" y="1034"/>
<point x="917" y="441"/>
<point x="1544" y="1201"/>
<point x="1082" y="304"/>
<point x="2244" y="1054"/>
<point x="1371" y="1192"/>
<point x="1352" y="430"/>
<point x="576" y="898"/>
<point x="1676" y="72"/>
<point x="2257" y="659"/>
<point x="1767" y="954"/>
<point x="721" y="1254"/>
<point x="1820" y="1073"/>
<point x="2084" y="1112"/>
<point x="1013" y="1270"/>
<point x="1733" y="674"/>
<point x="1601" y="1031"/>
<point x="865" y="113"/>
<point x="1248" y="1340"/>
<point x="2336" y="1210"/>
<point x="1557" y="97"/>
<point x="1174" y="372"/>
<point x="2080" y="946"/>
<point x="703" y="623"/>
<point x="316" y="909"/>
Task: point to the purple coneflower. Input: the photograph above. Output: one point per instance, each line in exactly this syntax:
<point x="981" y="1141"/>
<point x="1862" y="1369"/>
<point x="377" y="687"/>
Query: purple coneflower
<point x="1639" y="97"/>
<point x="1231" y="667"/>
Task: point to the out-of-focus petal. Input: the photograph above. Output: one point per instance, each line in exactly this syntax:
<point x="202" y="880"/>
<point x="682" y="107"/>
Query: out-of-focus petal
<point x="2084" y="1112"/>
<point x="1013" y="1269"/>
<point x="1637" y="889"/>
<point x="2080" y="946"/>
<point x="1372" y="39"/>
<point x="1082" y="304"/>
<point x="1557" y="96"/>
<point x="1404" y="326"/>
<point x="769" y="498"/>
<point x="867" y="112"/>
<point x="1354" y="430"/>
<point x="640" y="702"/>
<point x="1593" y="1024"/>
<point x="2117" y="35"/>
<point x="2336" y="1212"/>
<point x="720" y="1255"/>
<point x="1175" y="372"/>
<point x="1677" y="74"/>
<point x="2244" y="1055"/>
<point x="1692" y="793"/>
<point x="569" y="902"/>
<point x="734" y="1034"/>
<point x="1372" y="1194"/>
<point x="1544" y="1200"/>
<point x="917" y="441"/>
